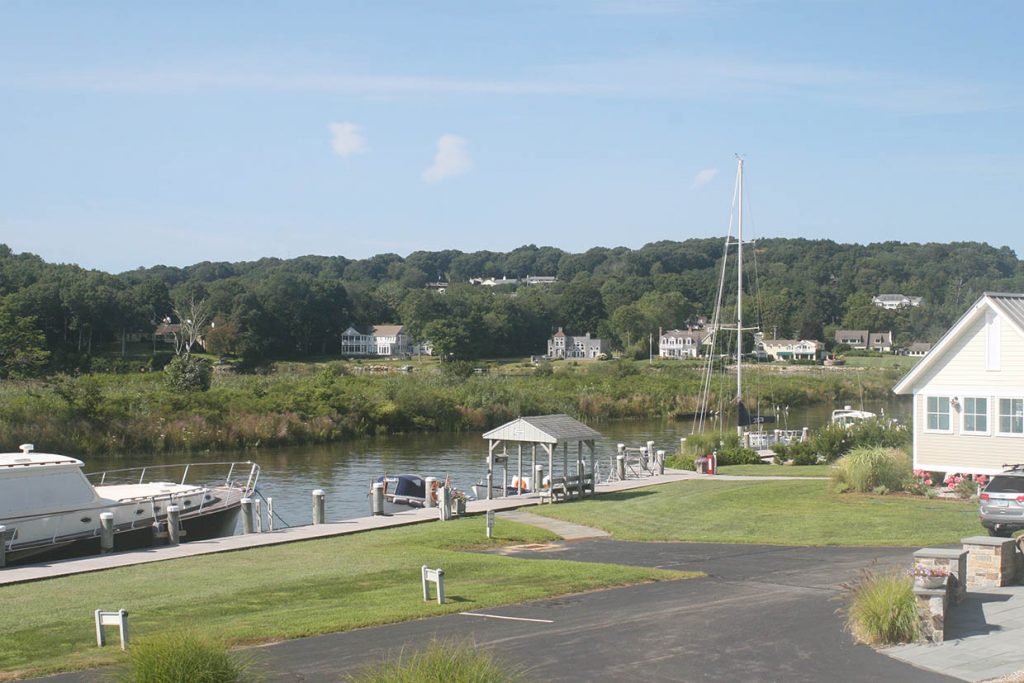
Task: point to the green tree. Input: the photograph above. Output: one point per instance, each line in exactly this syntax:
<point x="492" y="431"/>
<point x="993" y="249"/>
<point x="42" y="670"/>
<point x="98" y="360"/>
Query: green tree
<point x="22" y="346"/>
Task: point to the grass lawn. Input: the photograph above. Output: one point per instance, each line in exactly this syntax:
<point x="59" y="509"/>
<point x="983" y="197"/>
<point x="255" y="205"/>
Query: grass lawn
<point x="289" y="591"/>
<point x="774" y="512"/>
<point x="777" y="470"/>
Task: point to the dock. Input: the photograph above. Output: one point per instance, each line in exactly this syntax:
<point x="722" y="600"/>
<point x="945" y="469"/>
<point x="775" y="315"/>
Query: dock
<point x="95" y="563"/>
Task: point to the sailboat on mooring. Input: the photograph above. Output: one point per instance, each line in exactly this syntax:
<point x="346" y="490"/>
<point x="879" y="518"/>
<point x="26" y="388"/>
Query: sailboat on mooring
<point x="758" y="439"/>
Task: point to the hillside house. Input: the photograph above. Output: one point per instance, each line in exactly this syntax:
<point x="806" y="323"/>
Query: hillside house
<point x="562" y="345"/>
<point x="791" y="349"/>
<point x="865" y="339"/>
<point x="382" y="341"/>
<point x="968" y="391"/>
<point x="682" y="343"/>
<point x="894" y="302"/>
<point x="917" y="349"/>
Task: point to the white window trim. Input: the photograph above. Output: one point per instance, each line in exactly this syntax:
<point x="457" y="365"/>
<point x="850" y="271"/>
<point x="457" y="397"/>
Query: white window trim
<point x="963" y="416"/>
<point x="998" y="431"/>
<point x="948" y="406"/>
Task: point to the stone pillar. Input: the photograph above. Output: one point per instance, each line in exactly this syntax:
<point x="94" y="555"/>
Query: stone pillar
<point x="953" y="560"/>
<point x="991" y="561"/>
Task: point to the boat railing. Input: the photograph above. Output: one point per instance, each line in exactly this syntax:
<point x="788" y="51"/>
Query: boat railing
<point x="761" y="440"/>
<point x="237" y="472"/>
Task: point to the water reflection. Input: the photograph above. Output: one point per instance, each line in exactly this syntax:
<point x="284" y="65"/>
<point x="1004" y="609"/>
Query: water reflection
<point x="345" y="470"/>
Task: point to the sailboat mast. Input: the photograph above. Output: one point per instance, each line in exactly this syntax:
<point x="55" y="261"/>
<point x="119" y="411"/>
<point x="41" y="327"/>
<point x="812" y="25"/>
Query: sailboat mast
<point x="739" y="294"/>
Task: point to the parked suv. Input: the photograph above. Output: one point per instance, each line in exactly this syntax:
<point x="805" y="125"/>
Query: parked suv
<point x="1002" y="502"/>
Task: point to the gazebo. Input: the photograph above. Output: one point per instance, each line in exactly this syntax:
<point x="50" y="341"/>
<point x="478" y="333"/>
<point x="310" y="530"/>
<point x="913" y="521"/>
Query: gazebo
<point x="546" y="432"/>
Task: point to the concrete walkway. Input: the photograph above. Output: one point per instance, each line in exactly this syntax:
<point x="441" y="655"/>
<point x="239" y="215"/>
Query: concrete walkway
<point x="565" y="530"/>
<point x="984" y="638"/>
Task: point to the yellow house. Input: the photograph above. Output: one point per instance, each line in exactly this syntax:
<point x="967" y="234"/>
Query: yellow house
<point x="969" y="391"/>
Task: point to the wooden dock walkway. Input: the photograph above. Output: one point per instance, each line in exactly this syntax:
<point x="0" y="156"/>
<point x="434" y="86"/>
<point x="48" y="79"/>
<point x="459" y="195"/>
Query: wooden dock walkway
<point x="38" y="572"/>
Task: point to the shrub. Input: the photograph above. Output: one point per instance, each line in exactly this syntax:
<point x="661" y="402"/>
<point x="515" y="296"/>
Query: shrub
<point x="182" y="658"/>
<point x="881" y="609"/>
<point x="440" y="663"/>
<point x="188" y="373"/>
<point x="864" y="469"/>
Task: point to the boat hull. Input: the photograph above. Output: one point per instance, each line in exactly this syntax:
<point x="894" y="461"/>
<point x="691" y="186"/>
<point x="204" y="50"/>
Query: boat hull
<point x="200" y="527"/>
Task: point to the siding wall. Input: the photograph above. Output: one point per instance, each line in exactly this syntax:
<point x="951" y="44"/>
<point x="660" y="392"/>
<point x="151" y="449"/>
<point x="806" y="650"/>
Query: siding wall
<point x="962" y="372"/>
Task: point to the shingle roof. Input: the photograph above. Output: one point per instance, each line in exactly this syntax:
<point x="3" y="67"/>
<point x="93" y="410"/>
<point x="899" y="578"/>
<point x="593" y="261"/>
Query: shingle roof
<point x="543" y="429"/>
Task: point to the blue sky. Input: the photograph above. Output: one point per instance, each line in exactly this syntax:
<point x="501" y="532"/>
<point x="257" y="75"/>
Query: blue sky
<point x="135" y="134"/>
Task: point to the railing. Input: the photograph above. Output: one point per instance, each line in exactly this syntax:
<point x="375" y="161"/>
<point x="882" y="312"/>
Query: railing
<point x="761" y="440"/>
<point x="137" y="475"/>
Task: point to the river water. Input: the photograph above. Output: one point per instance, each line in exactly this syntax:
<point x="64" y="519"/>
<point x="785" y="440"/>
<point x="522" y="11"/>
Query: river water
<point x="345" y="470"/>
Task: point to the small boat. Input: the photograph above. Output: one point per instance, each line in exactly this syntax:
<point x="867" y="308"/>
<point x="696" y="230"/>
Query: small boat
<point x="519" y="486"/>
<point x="52" y="509"/>
<point x="408" y="490"/>
<point x="847" y="416"/>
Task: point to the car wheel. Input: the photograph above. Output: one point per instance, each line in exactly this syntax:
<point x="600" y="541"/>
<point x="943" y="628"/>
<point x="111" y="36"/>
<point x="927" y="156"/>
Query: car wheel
<point x="1001" y="533"/>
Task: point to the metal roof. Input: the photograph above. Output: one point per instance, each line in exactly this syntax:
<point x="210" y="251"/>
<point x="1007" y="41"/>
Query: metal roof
<point x="543" y="429"/>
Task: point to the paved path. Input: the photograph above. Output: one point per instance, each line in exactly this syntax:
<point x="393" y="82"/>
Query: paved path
<point x="762" y="613"/>
<point x="565" y="530"/>
<point x="984" y="637"/>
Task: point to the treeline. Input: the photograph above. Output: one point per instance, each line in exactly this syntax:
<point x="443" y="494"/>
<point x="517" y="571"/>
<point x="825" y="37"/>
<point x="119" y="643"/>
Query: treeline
<point x="58" y="317"/>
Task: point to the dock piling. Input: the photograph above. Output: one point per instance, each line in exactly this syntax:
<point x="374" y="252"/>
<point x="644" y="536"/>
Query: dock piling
<point x="430" y="492"/>
<point x="3" y="546"/>
<point x="620" y="466"/>
<point x="660" y="462"/>
<point x="106" y="532"/>
<point x="377" y="498"/>
<point x="538" y="479"/>
<point x="247" y="524"/>
<point x="173" y="525"/>
<point x="318" y="506"/>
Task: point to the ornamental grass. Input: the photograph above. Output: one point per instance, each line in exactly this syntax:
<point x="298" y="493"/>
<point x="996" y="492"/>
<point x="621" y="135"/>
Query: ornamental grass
<point x="441" y="662"/>
<point x="868" y="468"/>
<point x="882" y="609"/>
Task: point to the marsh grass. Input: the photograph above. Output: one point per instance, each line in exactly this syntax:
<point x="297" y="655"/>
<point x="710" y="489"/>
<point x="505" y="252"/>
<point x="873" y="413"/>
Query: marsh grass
<point x="881" y="609"/>
<point x="441" y="662"/>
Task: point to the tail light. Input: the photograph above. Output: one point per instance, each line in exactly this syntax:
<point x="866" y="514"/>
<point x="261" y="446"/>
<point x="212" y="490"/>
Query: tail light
<point x="984" y="496"/>
<point x="1020" y="499"/>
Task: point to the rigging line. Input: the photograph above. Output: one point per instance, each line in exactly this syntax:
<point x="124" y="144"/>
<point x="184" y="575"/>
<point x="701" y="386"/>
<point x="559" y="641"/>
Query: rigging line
<point x="260" y="494"/>
<point x="705" y="394"/>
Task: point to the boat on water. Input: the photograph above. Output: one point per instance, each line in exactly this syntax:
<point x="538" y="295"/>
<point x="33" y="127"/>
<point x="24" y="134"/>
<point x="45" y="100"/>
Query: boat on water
<point x="847" y="416"/>
<point x="51" y="508"/>
<point x="409" y="490"/>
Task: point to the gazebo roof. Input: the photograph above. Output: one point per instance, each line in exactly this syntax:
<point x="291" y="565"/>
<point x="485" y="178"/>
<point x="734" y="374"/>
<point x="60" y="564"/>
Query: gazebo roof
<point x="543" y="429"/>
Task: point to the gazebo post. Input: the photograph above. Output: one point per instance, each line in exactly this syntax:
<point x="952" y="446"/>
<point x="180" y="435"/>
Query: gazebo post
<point x="490" y="466"/>
<point x="579" y="466"/>
<point x="519" y="488"/>
<point x="593" y="472"/>
<point x="504" y="471"/>
<point x="534" y="485"/>
<point x="551" y="463"/>
<point x="565" y="462"/>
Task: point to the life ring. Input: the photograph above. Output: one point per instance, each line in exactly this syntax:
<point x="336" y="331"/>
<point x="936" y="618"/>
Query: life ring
<point x="519" y="484"/>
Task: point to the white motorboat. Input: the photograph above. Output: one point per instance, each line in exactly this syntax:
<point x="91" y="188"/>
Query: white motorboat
<point x="51" y="509"/>
<point x="847" y="416"/>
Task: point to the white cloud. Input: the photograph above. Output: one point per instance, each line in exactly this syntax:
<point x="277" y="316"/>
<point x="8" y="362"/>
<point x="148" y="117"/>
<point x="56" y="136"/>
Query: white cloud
<point x="704" y="177"/>
<point x="451" y="159"/>
<point x="346" y="139"/>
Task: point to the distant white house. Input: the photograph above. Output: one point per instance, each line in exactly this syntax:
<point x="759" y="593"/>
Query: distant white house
<point x="865" y="339"/>
<point x="969" y="391"/>
<point x="504" y="280"/>
<point x="562" y="345"/>
<point x="917" y="349"/>
<point x="682" y="343"/>
<point x="893" y="302"/>
<point x="791" y="349"/>
<point x="382" y="341"/>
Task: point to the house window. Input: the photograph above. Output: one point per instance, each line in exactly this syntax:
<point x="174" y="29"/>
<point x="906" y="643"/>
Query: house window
<point x="938" y="413"/>
<point x="1011" y="416"/>
<point x="975" y="415"/>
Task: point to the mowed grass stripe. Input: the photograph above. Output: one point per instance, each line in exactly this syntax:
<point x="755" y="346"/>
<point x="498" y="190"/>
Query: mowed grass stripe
<point x="773" y="512"/>
<point x="288" y="591"/>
